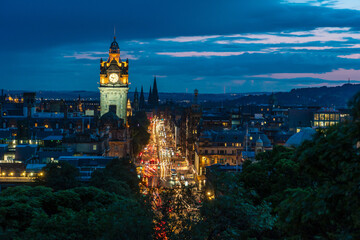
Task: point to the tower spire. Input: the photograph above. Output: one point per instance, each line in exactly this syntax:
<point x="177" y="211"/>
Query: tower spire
<point x="114" y="32"/>
<point x="155" y="94"/>
<point x="142" y="99"/>
<point x="150" y="97"/>
<point x="136" y="100"/>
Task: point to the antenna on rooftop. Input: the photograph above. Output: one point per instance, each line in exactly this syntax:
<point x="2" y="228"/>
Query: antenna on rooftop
<point x="114" y="32"/>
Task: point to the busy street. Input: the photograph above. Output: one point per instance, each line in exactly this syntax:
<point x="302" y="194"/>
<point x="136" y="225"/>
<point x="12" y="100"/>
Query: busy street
<point x="160" y="164"/>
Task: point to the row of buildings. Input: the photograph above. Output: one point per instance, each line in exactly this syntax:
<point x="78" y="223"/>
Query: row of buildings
<point x="230" y="135"/>
<point x="87" y="133"/>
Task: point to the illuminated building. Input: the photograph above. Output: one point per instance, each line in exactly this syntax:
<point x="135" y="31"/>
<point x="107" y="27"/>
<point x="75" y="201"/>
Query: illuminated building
<point x="326" y="117"/>
<point x="227" y="147"/>
<point x="114" y="85"/>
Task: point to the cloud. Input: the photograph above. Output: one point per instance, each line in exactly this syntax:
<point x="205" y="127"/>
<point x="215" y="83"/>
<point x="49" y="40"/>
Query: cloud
<point x="138" y="42"/>
<point x="335" y="75"/>
<point x="187" y="41"/>
<point x="239" y="82"/>
<point x="313" y="48"/>
<point x="200" y="54"/>
<point x="351" y="56"/>
<point x="322" y="35"/>
<point x="205" y="54"/>
<point x="182" y="39"/>
<point x="88" y="56"/>
<point x="336" y="4"/>
<point x="198" y="78"/>
<point x="97" y="55"/>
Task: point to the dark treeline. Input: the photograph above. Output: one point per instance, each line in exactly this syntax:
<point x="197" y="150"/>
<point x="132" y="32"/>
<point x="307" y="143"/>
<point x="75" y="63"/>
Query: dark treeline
<point x="59" y="206"/>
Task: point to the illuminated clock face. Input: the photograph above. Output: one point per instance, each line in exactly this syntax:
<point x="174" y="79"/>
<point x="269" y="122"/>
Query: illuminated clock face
<point x="113" y="77"/>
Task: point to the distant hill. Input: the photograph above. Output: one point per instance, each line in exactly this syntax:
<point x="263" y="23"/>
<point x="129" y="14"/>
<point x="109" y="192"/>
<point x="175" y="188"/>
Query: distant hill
<point x="94" y="95"/>
<point x="320" y="96"/>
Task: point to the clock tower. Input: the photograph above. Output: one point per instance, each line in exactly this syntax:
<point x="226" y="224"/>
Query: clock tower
<point x="114" y="85"/>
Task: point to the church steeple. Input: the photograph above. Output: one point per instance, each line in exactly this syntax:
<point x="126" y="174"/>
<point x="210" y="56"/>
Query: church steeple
<point x="155" y="94"/>
<point x="136" y="100"/>
<point x="150" y="102"/>
<point x="142" y="99"/>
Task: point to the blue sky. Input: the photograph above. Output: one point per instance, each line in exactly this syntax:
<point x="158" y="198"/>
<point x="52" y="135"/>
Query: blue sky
<point x="214" y="46"/>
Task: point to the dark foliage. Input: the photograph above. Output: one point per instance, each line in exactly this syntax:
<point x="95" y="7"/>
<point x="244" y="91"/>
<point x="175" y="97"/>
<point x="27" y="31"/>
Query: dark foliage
<point x="59" y="176"/>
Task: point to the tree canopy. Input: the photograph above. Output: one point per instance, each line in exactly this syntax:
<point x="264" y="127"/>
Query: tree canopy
<point x="77" y="213"/>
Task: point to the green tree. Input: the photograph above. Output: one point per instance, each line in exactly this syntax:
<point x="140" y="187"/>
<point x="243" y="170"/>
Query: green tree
<point x="119" y="177"/>
<point x="329" y="206"/>
<point x="231" y="213"/>
<point x="59" y="176"/>
<point x="272" y="173"/>
<point x="354" y="105"/>
<point x="77" y="213"/>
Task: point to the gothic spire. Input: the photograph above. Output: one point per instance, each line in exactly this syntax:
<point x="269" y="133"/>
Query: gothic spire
<point x="150" y="97"/>
<point x="136" y="100"/>
<point x="142" y="99"/>
<point x="155" y="94"/>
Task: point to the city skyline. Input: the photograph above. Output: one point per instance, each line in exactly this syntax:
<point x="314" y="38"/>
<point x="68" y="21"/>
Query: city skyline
<point x="239" y="46"/>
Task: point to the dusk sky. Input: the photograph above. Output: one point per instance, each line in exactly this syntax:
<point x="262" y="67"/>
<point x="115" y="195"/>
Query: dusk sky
<point x="214" y="46"/>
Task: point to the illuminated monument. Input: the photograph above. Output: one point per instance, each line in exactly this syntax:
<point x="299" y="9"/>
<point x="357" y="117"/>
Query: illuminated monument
<point x="114" y="84"/>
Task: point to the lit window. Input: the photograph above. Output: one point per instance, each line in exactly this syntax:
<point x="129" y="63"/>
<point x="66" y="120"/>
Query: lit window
<point x="36" y="124"/>
<point x="251" y="138"/>
<point x="46" y="126"/>
<point x="94" y="147"/>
